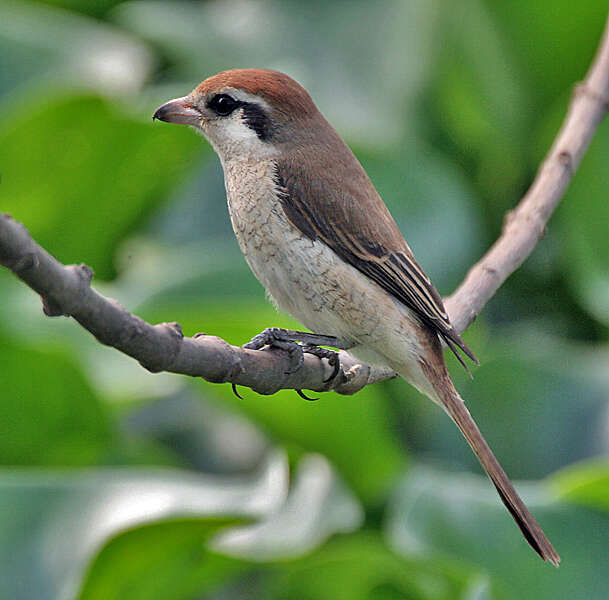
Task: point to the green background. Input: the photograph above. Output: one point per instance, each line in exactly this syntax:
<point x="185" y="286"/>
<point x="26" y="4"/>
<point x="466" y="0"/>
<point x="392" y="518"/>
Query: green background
<point x="116" y="483"/>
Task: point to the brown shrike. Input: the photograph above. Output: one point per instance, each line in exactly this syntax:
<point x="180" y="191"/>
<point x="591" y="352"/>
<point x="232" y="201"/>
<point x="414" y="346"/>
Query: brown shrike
<point x="321" y="241"/>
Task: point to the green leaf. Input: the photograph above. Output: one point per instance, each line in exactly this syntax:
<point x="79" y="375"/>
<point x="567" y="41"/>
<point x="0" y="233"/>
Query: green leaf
<point x="585" y="483"/>
<point x="361" y="567"/>
<point x="169" y="560"/>
<point x="166" y="560"/>
<point x="550" y="44"/>
<point x="80" y="173"/>
<point x="50" y="415"/>
<point x="96" y="9"/>
<point x="53" y="523"/>
<point x="435" y="514"/>
<point x="478" y="103"/>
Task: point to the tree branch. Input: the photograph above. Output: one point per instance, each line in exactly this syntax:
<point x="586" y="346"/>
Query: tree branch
<point x="65" y="290"/>
<point x="526" y="224"/>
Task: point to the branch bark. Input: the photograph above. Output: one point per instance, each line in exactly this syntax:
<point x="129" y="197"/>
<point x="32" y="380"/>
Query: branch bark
<point x="65" y="290"/>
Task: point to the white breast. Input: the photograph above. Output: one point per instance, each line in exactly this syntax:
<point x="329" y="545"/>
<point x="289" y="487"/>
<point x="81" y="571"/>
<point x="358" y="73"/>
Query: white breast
<point x="307" y="279"/>
<point x="290" y="266"/>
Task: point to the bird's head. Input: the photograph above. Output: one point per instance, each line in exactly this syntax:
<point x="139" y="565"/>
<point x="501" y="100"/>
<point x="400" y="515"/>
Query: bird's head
<point x="245" y="112"/>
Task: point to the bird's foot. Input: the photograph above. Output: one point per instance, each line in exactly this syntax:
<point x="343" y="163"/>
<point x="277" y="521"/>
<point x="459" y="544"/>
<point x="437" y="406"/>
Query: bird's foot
<point x="279" y="338"/>
<point x="330" y="355"/>
<point x="287" y="339"/>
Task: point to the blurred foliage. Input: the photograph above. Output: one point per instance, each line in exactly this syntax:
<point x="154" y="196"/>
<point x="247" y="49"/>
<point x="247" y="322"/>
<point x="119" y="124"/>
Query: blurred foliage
<point x="118" y="158"/>
<point x="160" y="560"/>
<point x="60" y="423"/>
<point x="118" y="483"/>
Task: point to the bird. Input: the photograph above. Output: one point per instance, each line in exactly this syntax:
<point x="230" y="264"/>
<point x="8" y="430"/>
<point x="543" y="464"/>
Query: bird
<point x="320" y="239"/>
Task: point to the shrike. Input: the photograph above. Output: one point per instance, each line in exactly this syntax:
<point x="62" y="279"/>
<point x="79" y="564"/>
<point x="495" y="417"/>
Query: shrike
<point x="317" y="235"/>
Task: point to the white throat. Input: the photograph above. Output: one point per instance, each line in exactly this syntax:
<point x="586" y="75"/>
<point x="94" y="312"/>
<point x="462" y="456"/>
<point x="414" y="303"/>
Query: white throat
<point x="232" y="140"/>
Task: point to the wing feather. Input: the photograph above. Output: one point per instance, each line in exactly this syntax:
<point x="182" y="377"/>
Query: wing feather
<point x="359" y="228"/>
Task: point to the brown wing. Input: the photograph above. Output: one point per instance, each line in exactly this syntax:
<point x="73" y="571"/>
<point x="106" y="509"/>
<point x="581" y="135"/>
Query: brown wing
<point x="358" y="227"/>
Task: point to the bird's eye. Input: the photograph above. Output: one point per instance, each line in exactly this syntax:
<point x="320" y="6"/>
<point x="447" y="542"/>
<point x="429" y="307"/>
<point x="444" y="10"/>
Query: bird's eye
<point x="223" y="104"/>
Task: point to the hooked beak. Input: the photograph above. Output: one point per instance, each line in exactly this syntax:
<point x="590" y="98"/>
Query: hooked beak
<point x="178" y="111"/>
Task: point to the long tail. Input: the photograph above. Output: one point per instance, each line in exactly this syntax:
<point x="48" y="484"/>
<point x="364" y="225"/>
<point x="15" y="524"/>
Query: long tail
<point x="453" y="404"/>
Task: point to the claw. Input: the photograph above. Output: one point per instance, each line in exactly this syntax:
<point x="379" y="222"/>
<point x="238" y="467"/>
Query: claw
<point x="333" y="362"/>
<point x="303" y="395"/>
<point x="330" y="355"/>
<point x="234" y="386"/>
<point x="279" y="338"/>
<point x="287" y="340"/>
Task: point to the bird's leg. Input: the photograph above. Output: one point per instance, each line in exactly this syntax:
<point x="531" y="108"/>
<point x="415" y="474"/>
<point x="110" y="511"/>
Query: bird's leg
<point x="287" y="339"/>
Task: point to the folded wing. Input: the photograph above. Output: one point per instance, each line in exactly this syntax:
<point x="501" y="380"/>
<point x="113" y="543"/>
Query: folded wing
<point x="360" y="229"/>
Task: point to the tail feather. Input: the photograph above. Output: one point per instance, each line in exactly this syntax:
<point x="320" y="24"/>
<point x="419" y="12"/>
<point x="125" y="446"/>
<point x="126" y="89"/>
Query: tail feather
<point x="456" y="409"/>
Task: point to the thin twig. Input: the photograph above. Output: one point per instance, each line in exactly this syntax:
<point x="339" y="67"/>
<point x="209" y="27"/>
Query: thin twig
<point x="526" y="224"/>
<point x="65" y="290"/>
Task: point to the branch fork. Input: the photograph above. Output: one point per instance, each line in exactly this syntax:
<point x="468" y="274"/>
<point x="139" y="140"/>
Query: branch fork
<point x="66" y="290"/>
